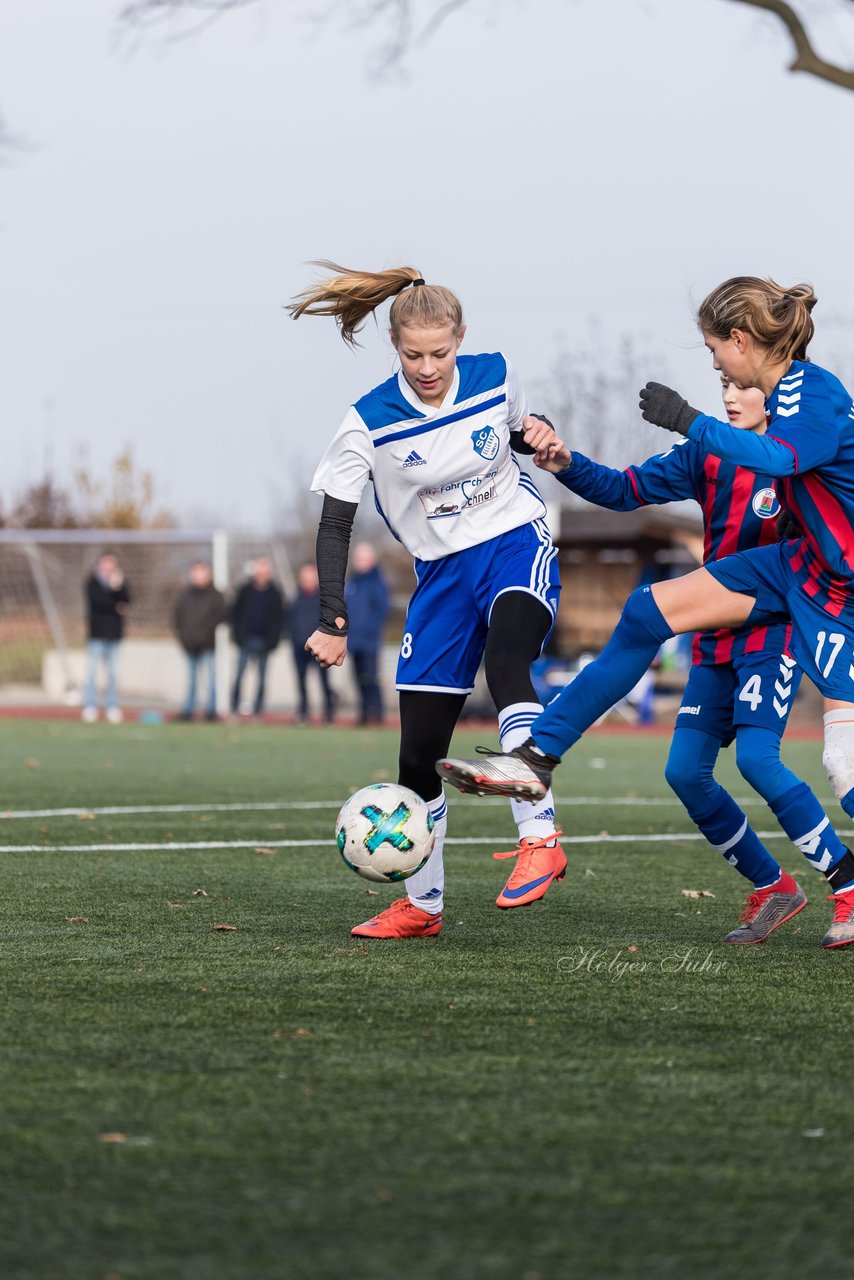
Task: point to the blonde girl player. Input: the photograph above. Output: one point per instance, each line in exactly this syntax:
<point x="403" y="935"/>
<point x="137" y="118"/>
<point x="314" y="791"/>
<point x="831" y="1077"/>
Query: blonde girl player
<point x="437" y="441"/>
<point x="757" y="333"/>
<point x="742" y="681"/>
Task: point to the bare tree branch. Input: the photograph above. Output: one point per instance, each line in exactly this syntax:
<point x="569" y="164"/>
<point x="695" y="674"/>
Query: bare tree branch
<point x="143" y="15"/>
<point x="439" y="17"/>
<point x="404" y="30"/>
<point x="10" y="143"/>
<point x="806" y="58"/>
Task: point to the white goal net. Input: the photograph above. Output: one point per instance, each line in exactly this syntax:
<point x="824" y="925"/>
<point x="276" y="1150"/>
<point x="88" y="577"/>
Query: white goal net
<point x="43" y="614"/>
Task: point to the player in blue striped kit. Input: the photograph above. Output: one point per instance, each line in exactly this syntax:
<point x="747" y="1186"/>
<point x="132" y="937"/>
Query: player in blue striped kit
<point x="757" y="333"/>
<point x="438" y="442"/>
<point x="743" y="681"/>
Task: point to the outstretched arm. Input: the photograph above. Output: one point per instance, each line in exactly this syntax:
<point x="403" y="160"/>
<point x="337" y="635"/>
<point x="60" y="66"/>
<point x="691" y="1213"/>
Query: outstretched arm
<point x="786" y="449"/>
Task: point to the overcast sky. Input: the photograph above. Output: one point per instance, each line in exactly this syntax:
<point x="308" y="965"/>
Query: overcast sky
<point x="553" y="161"/>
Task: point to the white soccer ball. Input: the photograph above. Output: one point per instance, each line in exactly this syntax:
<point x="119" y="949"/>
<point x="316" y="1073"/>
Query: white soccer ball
<point x="385" y="832"/>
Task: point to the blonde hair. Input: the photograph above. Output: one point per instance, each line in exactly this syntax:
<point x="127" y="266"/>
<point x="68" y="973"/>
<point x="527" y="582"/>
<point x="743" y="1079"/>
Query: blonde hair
<point x="351" y="296"/>
<point x="776" y="318"/>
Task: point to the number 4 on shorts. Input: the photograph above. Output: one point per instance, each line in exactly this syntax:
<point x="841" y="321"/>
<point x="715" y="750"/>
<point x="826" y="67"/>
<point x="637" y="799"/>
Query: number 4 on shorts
<point x="752" y="692"/>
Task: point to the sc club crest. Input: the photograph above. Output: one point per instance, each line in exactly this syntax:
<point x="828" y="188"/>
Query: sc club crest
<point x="766" y="504"/>
<point x="485" y="442"/>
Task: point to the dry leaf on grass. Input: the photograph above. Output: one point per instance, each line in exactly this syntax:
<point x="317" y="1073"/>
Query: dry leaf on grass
<point x="77" y="919"/>
<point x="697" y="893"/>
<point x="85" y="817"/>
<point x="125" y="1140"/>
<point x="32" y="763"/>
<point x="175" y="906"/>
<point x="225" y="928"/>
<point x="200" y="893"/>
<point x="263" y="848"/>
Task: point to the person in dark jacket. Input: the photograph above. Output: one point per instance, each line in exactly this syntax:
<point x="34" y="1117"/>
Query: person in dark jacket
<point x="366" y="597"/>
<point x="256" y="627"/>
<point x="107" y="596"/>
<point x="199" y="610"/>
<point x="302" y="622"/>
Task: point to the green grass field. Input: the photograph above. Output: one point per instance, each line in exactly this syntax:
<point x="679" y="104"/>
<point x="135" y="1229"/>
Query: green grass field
<point x="508" y="1100"/>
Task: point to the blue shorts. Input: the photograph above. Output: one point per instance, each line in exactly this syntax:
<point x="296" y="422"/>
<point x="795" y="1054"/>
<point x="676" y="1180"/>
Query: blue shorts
<point x="449" y="613"/>
<point x="755" y="689"/>
<point x="822" y="644"/>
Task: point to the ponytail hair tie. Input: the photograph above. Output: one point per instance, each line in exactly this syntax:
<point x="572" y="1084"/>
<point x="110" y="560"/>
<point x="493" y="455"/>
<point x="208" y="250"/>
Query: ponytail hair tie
<point x="418" y="281"/>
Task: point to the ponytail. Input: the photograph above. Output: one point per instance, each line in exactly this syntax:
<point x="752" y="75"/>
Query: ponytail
<point x="351" y="296"/>
<point x="776" y="318"/>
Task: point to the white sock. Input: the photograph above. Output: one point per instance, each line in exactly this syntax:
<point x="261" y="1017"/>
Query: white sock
<point x="535" y="819"/>
<point x="426" y="889"/>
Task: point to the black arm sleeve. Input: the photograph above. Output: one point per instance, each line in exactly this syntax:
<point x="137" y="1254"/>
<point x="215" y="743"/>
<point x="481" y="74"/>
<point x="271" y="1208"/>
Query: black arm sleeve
<point x="333" y="546"/>
<point x="519" y="444"/>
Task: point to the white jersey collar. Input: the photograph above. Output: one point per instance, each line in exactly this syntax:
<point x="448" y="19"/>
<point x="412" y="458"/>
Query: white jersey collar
<point x="429" y="410"/>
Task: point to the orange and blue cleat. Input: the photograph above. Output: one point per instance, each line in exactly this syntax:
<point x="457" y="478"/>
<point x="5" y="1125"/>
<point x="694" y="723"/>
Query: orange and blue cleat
<point x="400" y="920"/>
<point x="538" y="863"/>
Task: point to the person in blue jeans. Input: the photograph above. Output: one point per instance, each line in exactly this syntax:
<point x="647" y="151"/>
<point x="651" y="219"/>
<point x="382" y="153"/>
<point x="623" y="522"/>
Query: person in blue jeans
<point x="256" y="627"/>
<point x="302" y="620"/>
<point x="199" y="610"/>
<point x="366" y="598"/>
<point x="107" y="596"/>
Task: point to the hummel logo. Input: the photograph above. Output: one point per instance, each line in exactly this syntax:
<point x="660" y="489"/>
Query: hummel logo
<point x="415" y="460"/>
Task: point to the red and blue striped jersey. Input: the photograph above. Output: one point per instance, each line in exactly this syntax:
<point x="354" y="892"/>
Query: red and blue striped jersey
<point x="739" y="512"/>
<point x="809" y="444"/>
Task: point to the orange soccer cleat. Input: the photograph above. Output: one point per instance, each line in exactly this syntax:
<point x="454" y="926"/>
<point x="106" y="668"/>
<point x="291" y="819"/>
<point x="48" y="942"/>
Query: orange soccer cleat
<point x="400" y="920"/>
<point x="538" y="863"/>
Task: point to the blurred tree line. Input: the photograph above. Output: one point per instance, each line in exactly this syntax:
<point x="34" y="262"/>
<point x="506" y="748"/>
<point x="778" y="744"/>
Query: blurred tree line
<point x="123" y="499"/>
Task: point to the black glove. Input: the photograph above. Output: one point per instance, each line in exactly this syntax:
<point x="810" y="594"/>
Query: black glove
<point x="788" y="528"/>
<point x="666" y="408"/>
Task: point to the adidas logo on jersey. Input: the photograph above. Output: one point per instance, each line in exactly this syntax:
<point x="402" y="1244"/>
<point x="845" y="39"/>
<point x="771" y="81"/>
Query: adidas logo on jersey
<point x="415" y="460"/>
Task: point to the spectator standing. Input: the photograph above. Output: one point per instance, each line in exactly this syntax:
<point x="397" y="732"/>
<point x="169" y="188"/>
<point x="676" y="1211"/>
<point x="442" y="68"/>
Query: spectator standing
<point x="199" y="610"/>
<point x="256" y="627"/>
<point x="107" y="596"/>
<point x="302" y="622"/>
<point x="366" y="597"/>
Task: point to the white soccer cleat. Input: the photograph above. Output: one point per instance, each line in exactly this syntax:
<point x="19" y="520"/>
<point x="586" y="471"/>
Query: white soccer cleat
<point x="498" y="775"/>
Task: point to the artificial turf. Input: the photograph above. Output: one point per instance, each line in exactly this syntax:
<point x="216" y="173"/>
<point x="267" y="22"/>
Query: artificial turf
<point x="594" y="1087"/>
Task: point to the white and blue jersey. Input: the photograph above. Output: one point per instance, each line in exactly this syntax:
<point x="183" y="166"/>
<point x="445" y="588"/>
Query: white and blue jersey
<point x="444" y="476"/>
<point x="449" y="487"/>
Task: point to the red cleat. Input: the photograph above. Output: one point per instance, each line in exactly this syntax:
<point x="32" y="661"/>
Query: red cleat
<point x="841" y="931"/>
<point x="400" y="920"/>
<point x="767" y="909"/>
<point x="538" y="863"/>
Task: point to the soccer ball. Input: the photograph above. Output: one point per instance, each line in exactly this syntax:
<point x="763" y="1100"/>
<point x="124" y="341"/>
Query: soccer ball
<point x="385" y="832"/>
